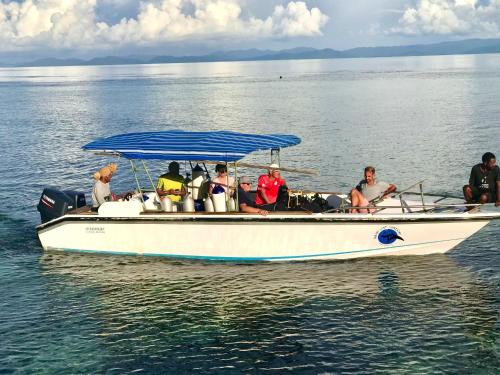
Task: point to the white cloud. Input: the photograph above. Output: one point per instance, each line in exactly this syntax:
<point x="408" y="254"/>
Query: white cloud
<point x="444" y="17"/>
<point x="74" y="23"/>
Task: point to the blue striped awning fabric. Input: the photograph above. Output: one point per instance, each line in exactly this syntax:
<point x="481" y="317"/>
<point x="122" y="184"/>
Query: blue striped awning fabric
<point x="184" y="145"/>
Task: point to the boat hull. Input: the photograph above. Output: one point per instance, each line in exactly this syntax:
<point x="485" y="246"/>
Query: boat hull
<point x="254" y="238"/>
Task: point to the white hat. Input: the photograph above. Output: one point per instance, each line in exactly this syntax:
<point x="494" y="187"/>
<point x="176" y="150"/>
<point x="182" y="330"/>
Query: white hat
<point x="274" y="166"/>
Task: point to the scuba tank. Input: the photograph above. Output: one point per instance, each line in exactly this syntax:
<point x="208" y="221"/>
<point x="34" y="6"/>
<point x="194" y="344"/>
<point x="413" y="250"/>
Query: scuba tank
<point x="195" y="186"/>
<point x="219" y="199"/>
<point x="232" y="204"/>
<point x="166" y="204"/>
<point x="209" y="205"/>
<point x="188" y="203"/>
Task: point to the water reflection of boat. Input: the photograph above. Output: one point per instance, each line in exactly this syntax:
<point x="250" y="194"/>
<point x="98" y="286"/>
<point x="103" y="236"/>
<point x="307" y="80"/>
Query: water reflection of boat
<point x="133" y="227"/>
<point x="361" y="277"/>
<point x="191" y="315"/>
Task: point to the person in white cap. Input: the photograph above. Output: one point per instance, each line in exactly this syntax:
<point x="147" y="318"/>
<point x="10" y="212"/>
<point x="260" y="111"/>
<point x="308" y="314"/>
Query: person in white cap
<point x="268" y="186"/>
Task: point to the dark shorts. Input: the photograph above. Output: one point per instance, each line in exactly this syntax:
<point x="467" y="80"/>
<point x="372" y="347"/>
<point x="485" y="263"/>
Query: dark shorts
<point x="476" y="193"/>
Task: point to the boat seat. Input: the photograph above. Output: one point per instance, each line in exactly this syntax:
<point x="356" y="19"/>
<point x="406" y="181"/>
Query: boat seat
<point x="80" y="210"/>
<point x="120" y="209"/>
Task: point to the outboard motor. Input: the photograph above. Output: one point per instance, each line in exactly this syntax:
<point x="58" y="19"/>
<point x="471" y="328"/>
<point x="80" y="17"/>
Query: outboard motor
<point x="55" y="203"/>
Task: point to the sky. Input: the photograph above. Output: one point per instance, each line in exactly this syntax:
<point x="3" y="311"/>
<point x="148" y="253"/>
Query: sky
<point x="87" y="28"/>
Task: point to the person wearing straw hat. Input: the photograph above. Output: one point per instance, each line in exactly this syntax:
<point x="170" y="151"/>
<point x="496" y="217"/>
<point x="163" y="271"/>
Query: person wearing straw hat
<point x="101" y="192"/>
<point x="268" y="186"/>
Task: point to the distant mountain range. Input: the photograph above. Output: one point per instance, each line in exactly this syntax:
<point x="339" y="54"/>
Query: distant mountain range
<point x="469" y="46"/>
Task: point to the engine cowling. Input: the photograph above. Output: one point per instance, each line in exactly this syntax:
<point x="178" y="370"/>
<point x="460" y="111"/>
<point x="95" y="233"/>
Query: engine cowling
<point x="55" y="203"/>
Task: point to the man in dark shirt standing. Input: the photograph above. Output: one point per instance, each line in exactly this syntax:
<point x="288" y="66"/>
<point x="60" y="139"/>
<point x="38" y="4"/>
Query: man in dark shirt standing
<point x="484" y="182"/>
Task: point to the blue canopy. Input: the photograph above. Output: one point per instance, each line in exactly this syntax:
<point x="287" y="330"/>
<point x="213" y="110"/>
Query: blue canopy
<point x="184" y="145"/>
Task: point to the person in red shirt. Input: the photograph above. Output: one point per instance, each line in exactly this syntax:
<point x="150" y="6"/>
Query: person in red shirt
<point x="268" y="186"/>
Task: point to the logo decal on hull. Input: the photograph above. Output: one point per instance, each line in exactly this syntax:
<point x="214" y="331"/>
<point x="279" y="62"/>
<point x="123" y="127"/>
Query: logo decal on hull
<point x="388" y="235"/>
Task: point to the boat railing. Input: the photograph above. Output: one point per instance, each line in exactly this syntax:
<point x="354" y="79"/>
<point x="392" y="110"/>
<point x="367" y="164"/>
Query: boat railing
<point x="423" y="206"/>
<point x="406" y="208"/>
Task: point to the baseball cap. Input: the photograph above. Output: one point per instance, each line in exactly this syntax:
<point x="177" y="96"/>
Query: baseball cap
<point x="244" y="180"/>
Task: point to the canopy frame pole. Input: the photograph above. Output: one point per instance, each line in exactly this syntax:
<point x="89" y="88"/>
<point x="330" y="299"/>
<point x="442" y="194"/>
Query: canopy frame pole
<point x="227" y="191"/>
<point x="151" y="180"/>
<point x="206" y="170"/>
<point x="191" y="180"/>
<point x="236" y="205"/>
<point x="275" y="156"/>
<point x="420" y="185"/>
<point x="134" y="170"/>
<point x="188" y="175"/>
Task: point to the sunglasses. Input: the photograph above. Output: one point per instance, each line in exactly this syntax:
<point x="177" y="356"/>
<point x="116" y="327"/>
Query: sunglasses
<point x="246" y="183"/>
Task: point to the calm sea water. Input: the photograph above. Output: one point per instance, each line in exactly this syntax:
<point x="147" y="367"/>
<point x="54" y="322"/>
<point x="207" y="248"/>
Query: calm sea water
<point x="412" y="118"/>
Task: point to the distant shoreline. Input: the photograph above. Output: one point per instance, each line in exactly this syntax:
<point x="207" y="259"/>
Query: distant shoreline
<point x="463" y="47"/>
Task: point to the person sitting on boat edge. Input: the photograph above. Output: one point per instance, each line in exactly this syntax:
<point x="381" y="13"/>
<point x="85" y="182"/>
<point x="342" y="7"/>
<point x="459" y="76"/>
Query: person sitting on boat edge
<point x="101" y="191"/>
<point x="484" y="182"/>
<point x="172" y="184"/>
<point x="369" y="190"/>
<point x="268" y="186"/>
<point x="222" y="179"/>
<point x="245" y="203"/>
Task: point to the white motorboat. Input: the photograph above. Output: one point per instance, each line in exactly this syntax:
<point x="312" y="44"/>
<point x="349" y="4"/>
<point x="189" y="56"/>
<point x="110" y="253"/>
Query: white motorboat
<point x="397" y="226"/>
